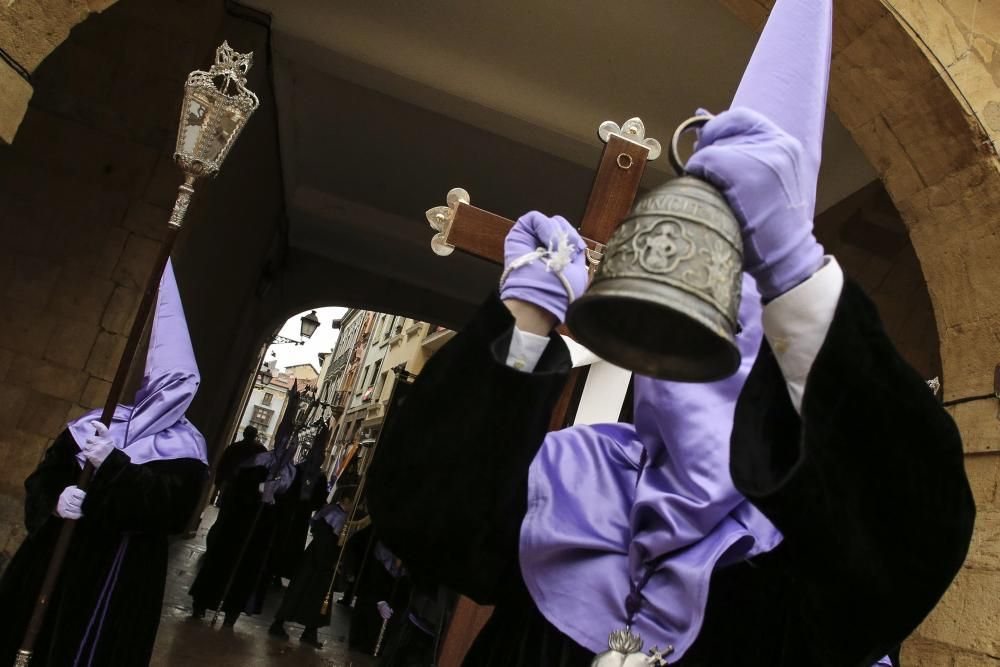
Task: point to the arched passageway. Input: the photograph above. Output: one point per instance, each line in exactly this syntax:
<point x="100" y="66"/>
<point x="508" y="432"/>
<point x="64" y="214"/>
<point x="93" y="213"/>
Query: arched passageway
<point x="88" y="179"/>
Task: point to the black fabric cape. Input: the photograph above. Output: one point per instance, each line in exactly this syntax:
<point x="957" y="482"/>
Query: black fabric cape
<point x="242" y="516"/>
<point x="374" y="585"/>
<point x="292" y="523"/>
<point x="235" y="454"/>
<point x="129" y="508"/>
<point x="306" y="592"/>
<point x="868" y="488"/>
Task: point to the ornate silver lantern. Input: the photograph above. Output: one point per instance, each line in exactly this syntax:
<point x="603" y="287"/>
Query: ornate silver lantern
<point x="216" y="107"/>
<point x="664" y="300"/>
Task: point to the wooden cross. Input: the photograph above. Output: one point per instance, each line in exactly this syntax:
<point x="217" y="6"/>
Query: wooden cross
<point x="481" y="233"/>
<point x="462" y="226"/>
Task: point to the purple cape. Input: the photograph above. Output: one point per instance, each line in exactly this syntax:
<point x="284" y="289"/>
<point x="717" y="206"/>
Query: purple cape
<point x="596" y="522"/>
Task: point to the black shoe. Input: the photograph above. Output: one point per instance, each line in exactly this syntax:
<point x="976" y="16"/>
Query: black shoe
<point x="230" y="619"/>
<point x="277" y="629"/>
<point x="308" y="636"/>
<point x="198" y="613"/>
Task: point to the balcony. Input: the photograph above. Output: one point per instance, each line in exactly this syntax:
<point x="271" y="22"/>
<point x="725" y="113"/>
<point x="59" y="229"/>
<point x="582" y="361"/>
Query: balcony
<point x="436" y="339"/>
<point x="338" y="403"/>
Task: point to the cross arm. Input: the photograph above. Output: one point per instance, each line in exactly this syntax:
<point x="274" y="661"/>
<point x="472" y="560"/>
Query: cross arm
<point x="481" y="233"/>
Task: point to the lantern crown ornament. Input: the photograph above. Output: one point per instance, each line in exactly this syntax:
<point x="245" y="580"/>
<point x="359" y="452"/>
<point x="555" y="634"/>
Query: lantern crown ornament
<point x="217" y="105"/>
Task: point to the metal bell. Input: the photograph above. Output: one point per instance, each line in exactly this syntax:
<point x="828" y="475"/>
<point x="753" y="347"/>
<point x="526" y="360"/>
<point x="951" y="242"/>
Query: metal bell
<point x="665" y="299"/>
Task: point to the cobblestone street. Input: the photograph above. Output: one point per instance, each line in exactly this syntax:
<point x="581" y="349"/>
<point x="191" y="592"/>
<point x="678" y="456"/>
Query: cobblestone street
<point x="183" y="641"/>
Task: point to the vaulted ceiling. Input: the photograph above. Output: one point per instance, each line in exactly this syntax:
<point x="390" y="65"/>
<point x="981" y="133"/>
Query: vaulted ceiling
<point x="385" y="105"/>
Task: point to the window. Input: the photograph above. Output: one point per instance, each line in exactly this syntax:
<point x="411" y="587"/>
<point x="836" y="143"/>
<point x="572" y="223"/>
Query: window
<point x="375" y="370"/>
<point x="364" y="379"/>
<point x="261" y="417"/>
<point x="268" y="398"/>
<point x="381" y="383"/>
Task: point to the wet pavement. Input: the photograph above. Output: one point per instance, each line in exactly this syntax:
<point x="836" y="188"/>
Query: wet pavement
<point x="183" y="641"/>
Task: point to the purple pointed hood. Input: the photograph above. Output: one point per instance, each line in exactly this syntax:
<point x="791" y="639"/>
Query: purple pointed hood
<point x="789" y="75"/>
<point x="611" y="506"/>
<point x="155" y="428"/>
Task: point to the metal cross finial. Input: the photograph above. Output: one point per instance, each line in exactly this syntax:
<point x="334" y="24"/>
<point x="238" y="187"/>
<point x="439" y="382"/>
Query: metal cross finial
<point x="633" y="130"/>
<point x="658" y="658"/>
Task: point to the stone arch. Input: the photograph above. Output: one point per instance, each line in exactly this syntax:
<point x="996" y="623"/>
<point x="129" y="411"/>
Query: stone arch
<point x="29" y="32"/>
<point x="915" y="82"/>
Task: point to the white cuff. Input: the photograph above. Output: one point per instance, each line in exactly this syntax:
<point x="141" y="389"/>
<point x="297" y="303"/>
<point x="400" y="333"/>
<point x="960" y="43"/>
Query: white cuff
<point x="796" y="324"/>
<point x="525" y="350"/>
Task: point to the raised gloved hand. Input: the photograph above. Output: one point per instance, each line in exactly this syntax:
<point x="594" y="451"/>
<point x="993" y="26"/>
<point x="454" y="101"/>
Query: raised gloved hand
<point x="70" y="505"/>
<point x="761" y="171"/>
<point x="384" y="610"/>
<point x="98" y="446"/>
<point x="545" y="263"/>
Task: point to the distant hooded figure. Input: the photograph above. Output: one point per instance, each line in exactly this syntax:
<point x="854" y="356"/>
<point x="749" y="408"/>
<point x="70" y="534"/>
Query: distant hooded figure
<point x="151" y="465"/>
<point x="306" y="495"/>
<point x="235" y="454"/>
<point x="305" y="600"/>
<point x="244" y="534"/>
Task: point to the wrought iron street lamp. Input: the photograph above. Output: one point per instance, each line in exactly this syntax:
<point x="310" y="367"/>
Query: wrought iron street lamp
<point x="307" y="327"/>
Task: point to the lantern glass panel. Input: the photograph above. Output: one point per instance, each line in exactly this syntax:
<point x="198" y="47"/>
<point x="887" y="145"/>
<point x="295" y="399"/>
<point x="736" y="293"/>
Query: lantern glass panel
<point x="193" y="123"/>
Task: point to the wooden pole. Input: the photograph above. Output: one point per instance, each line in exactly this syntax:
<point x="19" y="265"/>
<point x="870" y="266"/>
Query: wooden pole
<point x="111" y="404"/>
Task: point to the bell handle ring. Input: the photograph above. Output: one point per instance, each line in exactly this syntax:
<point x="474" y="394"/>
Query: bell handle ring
<point x="673" y="155"/>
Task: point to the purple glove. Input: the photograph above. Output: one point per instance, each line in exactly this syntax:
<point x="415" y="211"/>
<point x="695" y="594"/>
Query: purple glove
<point x="384" y="610"/>
<point x="98" y="446"/>
<point x="70" y="505"/>
<point x="545" y="263"/>
<point x="761" y="171"/>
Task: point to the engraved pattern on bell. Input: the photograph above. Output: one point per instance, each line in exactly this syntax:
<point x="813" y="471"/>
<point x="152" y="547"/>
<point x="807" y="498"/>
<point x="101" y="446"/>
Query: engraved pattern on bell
<point x="665" y="299"/>
<point x="722" y="271"/>
<point x="676" y="235"/>
<point x="657" y="247"/>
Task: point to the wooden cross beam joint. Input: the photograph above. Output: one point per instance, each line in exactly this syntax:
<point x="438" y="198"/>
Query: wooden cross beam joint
<point x="481" y="233"/>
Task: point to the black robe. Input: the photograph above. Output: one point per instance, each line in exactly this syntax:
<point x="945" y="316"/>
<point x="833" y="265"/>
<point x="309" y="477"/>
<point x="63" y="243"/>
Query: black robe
<point x="306" y="592"/>
<point x="868" y="488"/>
<point x="413" y="641"/>
<point x="129" y="512"/>
<point x="374" y="584"/>
<point x="293" y="514"/>
<point x="235" y="454"/>
<point x="242" y="517"/>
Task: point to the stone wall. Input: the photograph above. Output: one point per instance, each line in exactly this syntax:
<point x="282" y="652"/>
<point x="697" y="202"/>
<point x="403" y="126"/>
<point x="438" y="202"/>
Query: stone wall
<point x="85" y="184"/>
<point x="917" y="83"/>
<point x="29" y="31"/>
<point x="85" y="192"/>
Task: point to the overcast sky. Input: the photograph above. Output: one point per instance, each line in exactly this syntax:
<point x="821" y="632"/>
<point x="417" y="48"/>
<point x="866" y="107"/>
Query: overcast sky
<point x="322" y="341"/>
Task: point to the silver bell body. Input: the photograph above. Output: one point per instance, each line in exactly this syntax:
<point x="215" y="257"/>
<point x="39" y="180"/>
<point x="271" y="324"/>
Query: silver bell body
<point x="665" y="298"/>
